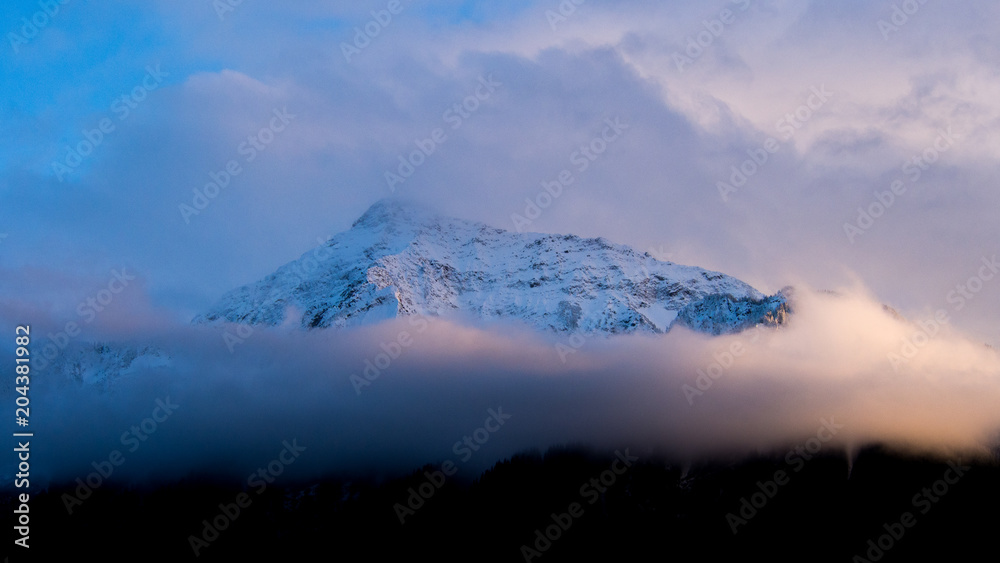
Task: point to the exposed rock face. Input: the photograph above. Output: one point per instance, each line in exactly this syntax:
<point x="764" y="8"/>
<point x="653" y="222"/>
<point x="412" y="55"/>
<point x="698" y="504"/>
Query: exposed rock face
<point x="401" y="259"/>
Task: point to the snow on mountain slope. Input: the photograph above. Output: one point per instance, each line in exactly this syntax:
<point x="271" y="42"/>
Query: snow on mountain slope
<point x="103" y="364"/>
<point x="401" y="259"/>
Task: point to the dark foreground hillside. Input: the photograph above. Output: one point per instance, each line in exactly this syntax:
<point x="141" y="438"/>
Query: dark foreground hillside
<point x="890" y="508"/>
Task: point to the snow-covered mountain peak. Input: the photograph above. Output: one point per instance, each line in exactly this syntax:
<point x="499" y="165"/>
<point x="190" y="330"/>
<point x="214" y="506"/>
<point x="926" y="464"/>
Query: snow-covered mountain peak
<point x="388" y="212"/>
<point x="400" y="258"/>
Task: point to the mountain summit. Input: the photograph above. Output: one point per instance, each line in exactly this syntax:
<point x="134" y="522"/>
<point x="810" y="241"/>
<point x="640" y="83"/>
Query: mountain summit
<point x="403" y="259"/>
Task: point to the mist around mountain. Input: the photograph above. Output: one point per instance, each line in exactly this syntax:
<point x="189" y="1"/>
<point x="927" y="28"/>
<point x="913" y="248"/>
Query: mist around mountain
<point x="401" y="259"/>
<point x="454" y="386"/>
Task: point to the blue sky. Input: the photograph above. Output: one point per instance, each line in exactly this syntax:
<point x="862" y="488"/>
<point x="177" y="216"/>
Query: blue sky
<point x="694" y="113"/>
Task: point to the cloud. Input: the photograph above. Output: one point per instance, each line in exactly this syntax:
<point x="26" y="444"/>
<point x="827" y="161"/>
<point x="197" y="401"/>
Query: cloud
<point x="685" y="394"/>
<point x="656" y="187"/>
